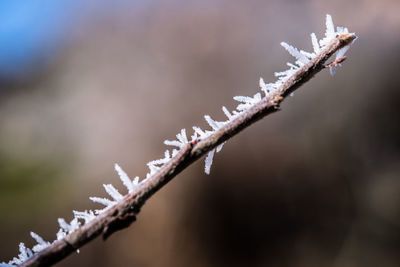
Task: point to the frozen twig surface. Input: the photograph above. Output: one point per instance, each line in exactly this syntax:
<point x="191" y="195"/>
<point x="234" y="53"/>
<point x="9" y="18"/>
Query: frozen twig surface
<point x="120" y="211"/>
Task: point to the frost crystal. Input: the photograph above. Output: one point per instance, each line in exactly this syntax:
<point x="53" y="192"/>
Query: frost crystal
<point x="209" y="161"/>
<point x="41" y="244"/>
<point x="340" y="53"/>
<point x="315" y="44"/>
<point x="227" y="113"/>
<point x="215" y="125"/>
<point x="301" y="59"/>
<point x="104" y="201"/>
<point x="130" y="185"/>
<point x="110" y="189"/>
<point x="182" y="140"/>
<point x="24" y="254"/>
<point x="67" y="228"/>
<point x="84" y="215"/>
<point x="182" y="137"/>
<point x="330" y="31"/>
<point x="245" y="103"/>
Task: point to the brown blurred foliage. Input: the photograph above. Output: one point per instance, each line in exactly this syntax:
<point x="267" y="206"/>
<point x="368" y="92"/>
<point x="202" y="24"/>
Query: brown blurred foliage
<point x="316" y="184"/>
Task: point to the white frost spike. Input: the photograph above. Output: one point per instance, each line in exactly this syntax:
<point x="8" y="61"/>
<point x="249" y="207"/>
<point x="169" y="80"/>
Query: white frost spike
<point x="152" y="164"/>
<point x="41" y="244"/>
<point x="244" y="99"/>
<point x="315" y="44"/>
<point x="74" y="225"/>
<point x="152" y="168"/>
<point x="243" y="107"/>
<point x="257" y="97"/>
<point x="182" y="137"/>
<point x="292" y="66"/>
<point x="262" y="83"/>
<point x="158" y="162"/>
<point x="332" y="70"/>
<point x="124" y="178"/>
<point x="284" y="74"/>
<point x="330" y="31"/>
<point x="211" y="122"/>
<point x="200" y="132"/>
<point x="307" y="54"/>
<point x="219" y="148"/>
<point x="281" y="73"/>
<point x="60" y="234"/>
<point x="174" y="152"/>
<point x="341" y="30"/>
<point x="38" y="238"/>
<point x="209" y="161"/>
<point x="173" y="143"/>
<point x="248" y="102"/>
<point x="194" y="137"/>
<point x="263" y="86"/>
<point x="330" y="28"/>
<point x="166" y="154"/>
<point x="25" y="253"/>
<point x="63" y="224"/>
<point x="68" y="228"/>
<point x="268" y="87"/>
<point x="84" y="215"/>
<point x="104" y="201"/>
<point x="227" y="113"/>
<point x="296" y="53"/>
<point x="113" y="192"/>
<point x="340" y="53"/>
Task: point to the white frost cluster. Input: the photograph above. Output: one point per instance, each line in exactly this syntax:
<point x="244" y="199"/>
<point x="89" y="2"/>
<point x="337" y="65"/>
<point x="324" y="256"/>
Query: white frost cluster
<point x="245" y="103"/>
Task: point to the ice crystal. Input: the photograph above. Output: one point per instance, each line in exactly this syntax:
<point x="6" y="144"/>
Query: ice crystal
<point x="330" y="31"/>
<point x="103" y="201"/>
<point x="41" y="244"/>
<point x="182" y="140"/>
<point x="113" y="192"/>
<point x="247" y="101"/>
<point x="227" y="113"/>
<point x="128" y="183"/>
<point x="67" y="228"/>
<point x="87" y="216"/>
<point x="209" y="161"/>
<point x="24" y="254"/>
<point x="315" y="44"/>
<point x="301" y="58"/>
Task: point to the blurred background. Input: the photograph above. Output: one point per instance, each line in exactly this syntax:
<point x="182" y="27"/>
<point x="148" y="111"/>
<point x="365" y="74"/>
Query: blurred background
<point x="85" y="84"/>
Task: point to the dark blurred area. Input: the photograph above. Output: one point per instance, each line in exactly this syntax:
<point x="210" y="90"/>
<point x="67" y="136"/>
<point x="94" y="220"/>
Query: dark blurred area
<point x="85" y="84"/>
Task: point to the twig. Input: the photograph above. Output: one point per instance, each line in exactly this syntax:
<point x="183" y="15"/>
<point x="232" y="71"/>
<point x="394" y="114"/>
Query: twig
<point x="122" y="211"/>
<point x="125" y="212"/>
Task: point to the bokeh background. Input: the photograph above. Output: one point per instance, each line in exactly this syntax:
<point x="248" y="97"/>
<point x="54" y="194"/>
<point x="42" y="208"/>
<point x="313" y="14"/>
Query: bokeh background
<point x="84" y="84"/>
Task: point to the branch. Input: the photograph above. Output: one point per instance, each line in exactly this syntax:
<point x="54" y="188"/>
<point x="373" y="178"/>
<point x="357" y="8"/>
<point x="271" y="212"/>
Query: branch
<point x="123" y="212"/>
